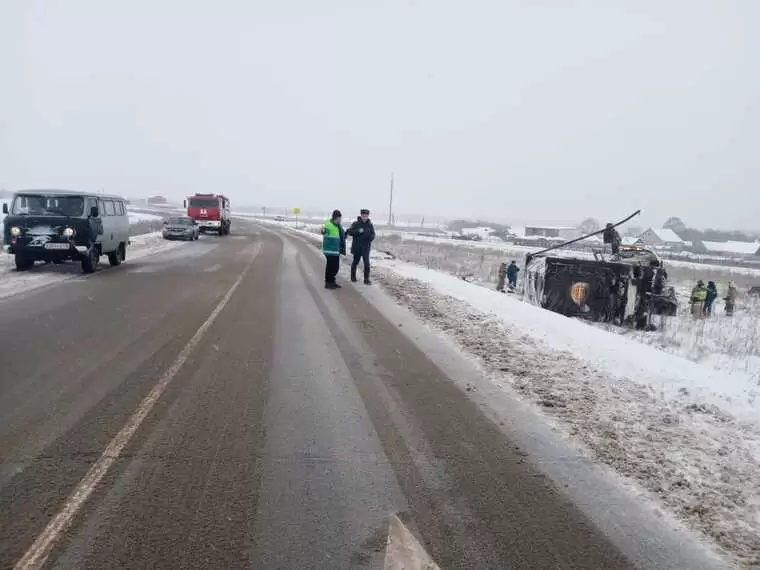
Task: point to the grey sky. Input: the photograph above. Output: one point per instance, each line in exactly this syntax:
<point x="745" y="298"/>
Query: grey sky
<point x="521" y="111"/>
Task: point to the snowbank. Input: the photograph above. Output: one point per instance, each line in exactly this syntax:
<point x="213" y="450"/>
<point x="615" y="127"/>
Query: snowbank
<point x="137" y="217"/>
<point x="667" y="374"/>
<point x="685" y="433"/>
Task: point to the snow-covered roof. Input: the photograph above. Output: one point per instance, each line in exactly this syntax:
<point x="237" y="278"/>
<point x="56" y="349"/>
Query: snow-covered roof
<point x="738" y="247"/>
<point x="666" y="235"/>
<point x="629" y="240"/>
<point x="540" y="227"/>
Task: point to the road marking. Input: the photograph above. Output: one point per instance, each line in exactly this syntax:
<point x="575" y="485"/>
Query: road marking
<point x="403" y="551"/>
<point x="38" y="552"/>
<point x="212" y="269"/>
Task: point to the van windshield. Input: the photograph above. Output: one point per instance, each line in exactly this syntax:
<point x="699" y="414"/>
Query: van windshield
<point x="42" y="205"/>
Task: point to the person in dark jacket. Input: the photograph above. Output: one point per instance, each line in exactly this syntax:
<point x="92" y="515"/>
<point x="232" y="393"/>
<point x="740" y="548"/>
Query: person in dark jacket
<point x="333" y="246"/>
<point x="712" y="295"/>
<point x="512" y="272"/>
<point x="612" y="237"/>
<point x="362" y="233"/>
<point x="660" y="278"/>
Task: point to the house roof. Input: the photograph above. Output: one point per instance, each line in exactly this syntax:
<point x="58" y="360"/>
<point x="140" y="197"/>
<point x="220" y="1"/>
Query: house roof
<point x="540" y="227"/>
<point x="666" y="235"/>
<point x="738" y="247"/>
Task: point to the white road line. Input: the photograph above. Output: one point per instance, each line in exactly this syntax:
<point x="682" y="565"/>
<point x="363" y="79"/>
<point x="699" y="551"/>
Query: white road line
<point x="38" y="552"/>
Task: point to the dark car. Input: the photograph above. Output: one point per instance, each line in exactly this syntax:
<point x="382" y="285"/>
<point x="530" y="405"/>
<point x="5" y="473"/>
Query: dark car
<point x="181" y="227"/>
<point x="59" y="225"/>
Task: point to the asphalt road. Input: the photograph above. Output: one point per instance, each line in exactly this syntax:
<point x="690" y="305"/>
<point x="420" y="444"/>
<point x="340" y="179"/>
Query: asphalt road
<point x="215" y="407"/>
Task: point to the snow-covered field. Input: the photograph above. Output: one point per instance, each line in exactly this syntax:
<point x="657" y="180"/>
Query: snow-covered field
<point x="13" y="282"/>
<point x="676" y="412"/>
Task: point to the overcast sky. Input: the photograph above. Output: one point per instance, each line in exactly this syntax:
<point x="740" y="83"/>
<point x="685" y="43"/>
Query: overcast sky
<point x="540" y="110"/>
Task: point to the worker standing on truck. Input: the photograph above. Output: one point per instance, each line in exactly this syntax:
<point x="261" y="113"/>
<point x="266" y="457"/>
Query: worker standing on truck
<point x="612" y="237"/>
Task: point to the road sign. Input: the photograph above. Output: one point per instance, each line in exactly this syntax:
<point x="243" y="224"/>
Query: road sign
<point x="296" y="211"/>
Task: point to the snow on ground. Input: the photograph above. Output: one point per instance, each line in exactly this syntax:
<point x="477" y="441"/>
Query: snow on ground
<point x="137" y="217"/>
<point x="728" y="344"/>
<point x="686" y="433"/>
<point x="13" y="282"/>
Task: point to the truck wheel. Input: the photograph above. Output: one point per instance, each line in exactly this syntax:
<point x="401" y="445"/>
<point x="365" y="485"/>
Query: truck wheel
<point x="22" y="262"/>
<point x="116" y="257"/>
<point x="90" y="261"/>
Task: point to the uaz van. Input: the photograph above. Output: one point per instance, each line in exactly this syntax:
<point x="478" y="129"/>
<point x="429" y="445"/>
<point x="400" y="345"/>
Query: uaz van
<point x="59" y="225"/>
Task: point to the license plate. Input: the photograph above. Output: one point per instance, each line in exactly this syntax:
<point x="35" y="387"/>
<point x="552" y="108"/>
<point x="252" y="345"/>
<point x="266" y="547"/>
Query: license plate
<point x="57" y="246"/>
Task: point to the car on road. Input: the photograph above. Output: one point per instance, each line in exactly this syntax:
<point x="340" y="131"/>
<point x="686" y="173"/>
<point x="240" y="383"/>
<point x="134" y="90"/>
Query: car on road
<point x="59" y="225"/>
<point x="181" y="227"/>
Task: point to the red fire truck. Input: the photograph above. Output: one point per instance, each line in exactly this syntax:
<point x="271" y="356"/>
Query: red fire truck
<point x="211" y="211"/>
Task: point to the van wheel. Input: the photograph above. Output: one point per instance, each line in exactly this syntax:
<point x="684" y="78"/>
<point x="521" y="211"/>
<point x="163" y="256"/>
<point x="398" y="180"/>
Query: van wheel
<point x="90" y="262"/>
<point x="22" y="262"/>
<point x="116" y="257"/>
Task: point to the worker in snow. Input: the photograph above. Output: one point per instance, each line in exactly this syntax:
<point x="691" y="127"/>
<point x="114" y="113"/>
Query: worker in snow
<point x="730" y="298"/>
<point x="502" y="277"/>
<point x="697" y="299"/>
<point x="612" y="237"/>
<point x="512" y="272"/>
<point x="712" y="294"/>
<point x="333" y="246"/>
<point x="363" y="234"/>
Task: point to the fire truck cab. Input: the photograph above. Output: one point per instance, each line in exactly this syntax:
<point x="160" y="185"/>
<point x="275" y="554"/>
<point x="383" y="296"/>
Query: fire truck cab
<point x="211" y="212"/>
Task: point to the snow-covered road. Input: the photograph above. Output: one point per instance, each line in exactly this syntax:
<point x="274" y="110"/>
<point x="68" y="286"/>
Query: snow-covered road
<point x="42" y="275"/>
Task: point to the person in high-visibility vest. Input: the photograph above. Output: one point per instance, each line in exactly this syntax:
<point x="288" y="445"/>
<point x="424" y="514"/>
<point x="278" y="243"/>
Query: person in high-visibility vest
<point x="698" y="298"/>
<point x="333" y="246"/>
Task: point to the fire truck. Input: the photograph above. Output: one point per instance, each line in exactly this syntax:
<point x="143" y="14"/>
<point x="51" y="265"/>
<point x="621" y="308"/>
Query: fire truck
<point x="211" y="212"/>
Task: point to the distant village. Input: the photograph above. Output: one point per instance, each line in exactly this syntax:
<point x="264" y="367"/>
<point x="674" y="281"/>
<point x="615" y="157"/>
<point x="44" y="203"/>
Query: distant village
<point x="674" y="240"/>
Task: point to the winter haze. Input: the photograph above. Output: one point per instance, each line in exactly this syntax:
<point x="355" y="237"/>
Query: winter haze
<point x="546" y="111"/>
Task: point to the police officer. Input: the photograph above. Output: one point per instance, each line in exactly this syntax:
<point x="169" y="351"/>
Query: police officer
<point x="363" y="233"/>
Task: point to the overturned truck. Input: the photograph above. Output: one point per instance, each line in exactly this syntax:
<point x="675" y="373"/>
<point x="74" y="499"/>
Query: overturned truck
<point x="626" y="288"/>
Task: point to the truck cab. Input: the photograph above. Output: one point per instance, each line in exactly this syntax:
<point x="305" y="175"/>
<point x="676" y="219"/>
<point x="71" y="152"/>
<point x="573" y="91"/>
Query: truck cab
<point x="211" y="212"/>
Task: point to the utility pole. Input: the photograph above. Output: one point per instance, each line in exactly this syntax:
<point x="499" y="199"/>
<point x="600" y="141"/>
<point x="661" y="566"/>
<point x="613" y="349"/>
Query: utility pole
<point x="390" y="205"/>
